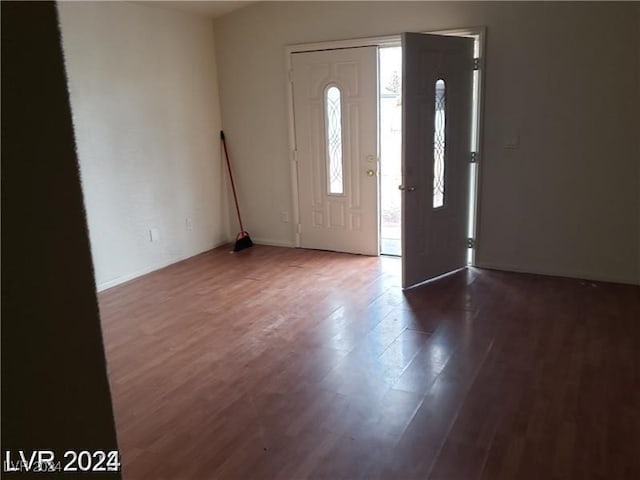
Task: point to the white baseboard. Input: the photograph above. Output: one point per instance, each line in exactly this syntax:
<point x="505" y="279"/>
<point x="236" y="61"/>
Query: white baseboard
<point x="272" y="243"/>
<point x="277" y="243"/>
<point x="556" y="273"/>
<point x="130" y="276"/>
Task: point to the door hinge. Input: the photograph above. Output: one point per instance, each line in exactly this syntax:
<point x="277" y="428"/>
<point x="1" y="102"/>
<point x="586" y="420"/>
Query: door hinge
<point x="294" y="155"/>
<point x="476" y="64"/>
<point x="299" y="228"/>
<point x="474" y="157"/>
<point x="290" y="73"/>
<point x="471" y="243"/>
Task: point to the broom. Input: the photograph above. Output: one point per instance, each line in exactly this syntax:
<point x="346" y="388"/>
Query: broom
<point x="243" y="240"/>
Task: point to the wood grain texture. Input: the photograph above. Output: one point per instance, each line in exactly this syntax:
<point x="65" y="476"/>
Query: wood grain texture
<point x="276" y="363"/>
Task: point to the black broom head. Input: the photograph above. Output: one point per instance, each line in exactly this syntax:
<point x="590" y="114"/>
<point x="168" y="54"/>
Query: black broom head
<point x="243" y="240"/>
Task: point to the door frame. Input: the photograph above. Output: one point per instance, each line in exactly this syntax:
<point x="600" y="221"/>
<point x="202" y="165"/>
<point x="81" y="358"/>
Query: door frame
<point x="390" y="41"/>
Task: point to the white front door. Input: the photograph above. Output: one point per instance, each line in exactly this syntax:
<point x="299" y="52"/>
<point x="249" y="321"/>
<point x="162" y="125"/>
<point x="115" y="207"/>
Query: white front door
<point x="437" y="87"/>
<point x="336" y="123"/>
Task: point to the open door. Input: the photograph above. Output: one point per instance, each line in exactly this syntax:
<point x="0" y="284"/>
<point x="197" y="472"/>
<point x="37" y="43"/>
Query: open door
<point x="436" y="90"/>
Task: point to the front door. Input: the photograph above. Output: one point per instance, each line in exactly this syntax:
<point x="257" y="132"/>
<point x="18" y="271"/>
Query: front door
<point x="437" y="86"/>
<point x="335" y="119"/>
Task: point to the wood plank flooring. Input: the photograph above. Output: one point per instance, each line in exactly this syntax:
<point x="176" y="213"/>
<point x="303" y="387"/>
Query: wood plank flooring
<point x="277" y="363"/>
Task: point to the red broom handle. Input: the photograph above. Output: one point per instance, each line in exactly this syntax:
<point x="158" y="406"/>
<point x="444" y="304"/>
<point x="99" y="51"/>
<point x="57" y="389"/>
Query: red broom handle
<point x="233" y="187"/>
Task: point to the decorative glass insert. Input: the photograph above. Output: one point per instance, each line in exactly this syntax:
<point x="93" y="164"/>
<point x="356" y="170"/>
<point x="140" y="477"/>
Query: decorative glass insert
<point x="439" y="143"/>
<point x="333" y="107"/>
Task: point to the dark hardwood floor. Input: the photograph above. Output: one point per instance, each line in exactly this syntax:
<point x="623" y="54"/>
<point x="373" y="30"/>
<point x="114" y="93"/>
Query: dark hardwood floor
<point x="277" y="363"/>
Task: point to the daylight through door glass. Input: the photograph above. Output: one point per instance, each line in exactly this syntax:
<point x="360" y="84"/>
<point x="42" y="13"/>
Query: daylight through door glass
<point x="439" y="142"/>
<point x="333" y="111"/>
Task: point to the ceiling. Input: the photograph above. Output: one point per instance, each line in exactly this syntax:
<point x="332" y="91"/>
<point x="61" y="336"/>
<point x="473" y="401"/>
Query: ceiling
<point x="211" y="9"/>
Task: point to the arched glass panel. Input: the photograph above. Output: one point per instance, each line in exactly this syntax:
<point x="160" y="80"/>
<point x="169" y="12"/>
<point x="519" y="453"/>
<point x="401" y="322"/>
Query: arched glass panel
<point x="439" y="143"/>
<point x="333" y="109"/>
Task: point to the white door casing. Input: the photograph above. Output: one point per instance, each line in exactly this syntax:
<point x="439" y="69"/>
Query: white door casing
<point x="347" y="221"/>
<point x="435" y="239"/>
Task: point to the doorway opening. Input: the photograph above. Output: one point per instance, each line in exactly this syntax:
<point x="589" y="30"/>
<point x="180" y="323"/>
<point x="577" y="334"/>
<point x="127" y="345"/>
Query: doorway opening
<point x="388" y="204"/>
<point x="390" y="137"/>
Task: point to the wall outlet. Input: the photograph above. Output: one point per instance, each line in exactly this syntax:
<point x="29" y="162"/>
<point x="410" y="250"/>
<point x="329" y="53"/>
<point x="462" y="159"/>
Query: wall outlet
<point x="154" y="235"/>
<point x="188" y="223"/>
<point x="284" y="216"/>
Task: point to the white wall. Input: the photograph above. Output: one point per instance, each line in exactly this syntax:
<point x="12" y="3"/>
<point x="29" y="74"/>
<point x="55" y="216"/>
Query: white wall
<point x="147" y="119"/>
<point x="564" y="77"/>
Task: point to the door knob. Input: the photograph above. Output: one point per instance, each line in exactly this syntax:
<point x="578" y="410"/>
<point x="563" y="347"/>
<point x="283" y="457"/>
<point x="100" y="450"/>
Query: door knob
<point x="406" y="189"/>
<point x="370" y="173"/>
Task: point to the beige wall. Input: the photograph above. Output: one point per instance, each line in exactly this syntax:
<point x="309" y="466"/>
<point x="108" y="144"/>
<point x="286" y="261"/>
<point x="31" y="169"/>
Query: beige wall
<point x="563" y="77"/>
<point x="146" y="114"/>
